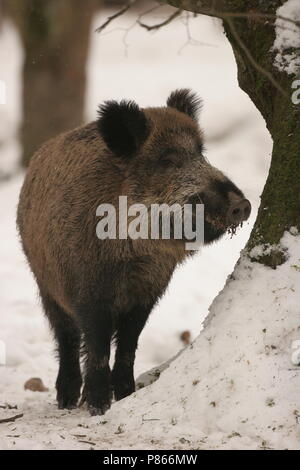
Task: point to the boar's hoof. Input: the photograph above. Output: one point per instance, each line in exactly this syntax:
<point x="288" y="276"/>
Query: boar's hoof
<point x="64" y="403"/>
<point x="68" y="391"/>
<point x="123" y="384"/>
<point x="68" y="399"/>
<point x="95" y="411"/>
<point x="97" y="405"/>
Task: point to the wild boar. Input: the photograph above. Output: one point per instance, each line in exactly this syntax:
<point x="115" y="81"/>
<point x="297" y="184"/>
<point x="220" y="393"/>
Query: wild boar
<point x="96" y="290"/>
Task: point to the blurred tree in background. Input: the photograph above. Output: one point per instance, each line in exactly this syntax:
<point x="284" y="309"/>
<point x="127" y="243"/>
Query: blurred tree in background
<point x="1" y="12"/>
<point x="55" y="36"/>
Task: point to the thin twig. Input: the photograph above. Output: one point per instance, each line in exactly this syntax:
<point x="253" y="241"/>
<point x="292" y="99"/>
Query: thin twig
<point x="199" y="9"/>
<point x="150" y="10"/>
<point x="151" y="419"/>
<point x="163" y="23"/>
<point x="11" y="419"/>
<point x="190" y="40"/>
<point x="116" y="15"/>
<point x="256" y="15"/>
<point x="88" y="442"/>
<point x="251" y="59"/>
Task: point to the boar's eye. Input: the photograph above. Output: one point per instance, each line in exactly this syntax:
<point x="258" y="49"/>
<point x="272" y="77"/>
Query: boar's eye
<point x="170" y="159"/>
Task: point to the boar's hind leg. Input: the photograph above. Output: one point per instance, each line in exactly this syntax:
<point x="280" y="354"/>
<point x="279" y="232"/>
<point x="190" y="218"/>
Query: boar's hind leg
<point x="129" y="327"/>
<point x="67" y="335"/>
<point x="97" y="330"/>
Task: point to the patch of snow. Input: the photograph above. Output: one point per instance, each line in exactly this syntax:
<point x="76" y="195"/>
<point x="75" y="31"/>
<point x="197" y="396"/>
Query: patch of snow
<point x="287" y="42"/>
<point x="260" y="250"/>
<point x="236" y="387"/>
<point x="294" y="231"/>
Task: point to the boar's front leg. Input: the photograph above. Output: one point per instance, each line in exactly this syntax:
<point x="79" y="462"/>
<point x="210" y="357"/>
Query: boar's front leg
<point x="97" y="330"/>
<point x="129" y="328"/>
<point x="67" y="334"/>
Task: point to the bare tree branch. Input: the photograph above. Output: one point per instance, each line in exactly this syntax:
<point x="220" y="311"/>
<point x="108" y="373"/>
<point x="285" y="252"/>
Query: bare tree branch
<point x="211" y="8"/>
<point x="218" y="8"/>
<point x="190" y="40"/>
<point x="203" y="8"/>
<point x="254" y="15"/>
<point x="163" y="23"/>
<point x="116" y="15"/>
<point x="251" y="59"/>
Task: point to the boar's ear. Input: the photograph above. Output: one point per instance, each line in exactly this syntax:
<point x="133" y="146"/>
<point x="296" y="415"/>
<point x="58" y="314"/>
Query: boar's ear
<point x="186" y="101"/>
<point x="123" y="126"/>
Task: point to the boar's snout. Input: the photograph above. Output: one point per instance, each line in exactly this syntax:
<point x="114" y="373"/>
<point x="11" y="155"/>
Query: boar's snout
<point x="239" y="212"/>
<point x="225" y="208"/>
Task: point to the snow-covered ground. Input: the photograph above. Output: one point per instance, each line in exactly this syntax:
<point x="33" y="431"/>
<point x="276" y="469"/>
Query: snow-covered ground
<point x="193" y="413"/>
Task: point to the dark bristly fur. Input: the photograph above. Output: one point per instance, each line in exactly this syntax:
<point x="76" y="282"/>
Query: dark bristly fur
<point x="126" y="121"/>
<point x="95" y="290"/>
<point x="185" y="101"/>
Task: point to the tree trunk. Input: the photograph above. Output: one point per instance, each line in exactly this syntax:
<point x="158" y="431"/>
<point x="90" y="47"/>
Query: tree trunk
<point x="55" y="36"/>
<point x="280" y="201"/>
<point x="1" y="13"/>
<point x="271" y="91"/>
